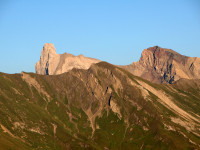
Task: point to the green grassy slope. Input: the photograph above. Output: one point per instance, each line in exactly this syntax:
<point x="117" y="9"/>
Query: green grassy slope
<point x="103" y="107"/>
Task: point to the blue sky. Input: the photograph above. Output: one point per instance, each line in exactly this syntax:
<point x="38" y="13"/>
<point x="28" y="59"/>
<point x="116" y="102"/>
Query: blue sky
<point x="115" y="31"/>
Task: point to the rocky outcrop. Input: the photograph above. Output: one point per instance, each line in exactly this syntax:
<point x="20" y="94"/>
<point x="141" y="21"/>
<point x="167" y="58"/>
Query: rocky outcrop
<point x="51" y="63"/>
<point x="162" y="65"/>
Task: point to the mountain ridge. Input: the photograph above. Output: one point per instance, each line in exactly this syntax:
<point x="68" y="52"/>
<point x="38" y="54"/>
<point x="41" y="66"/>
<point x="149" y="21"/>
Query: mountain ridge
<point x="103" y="107"/>
<point x="156" y="64"/>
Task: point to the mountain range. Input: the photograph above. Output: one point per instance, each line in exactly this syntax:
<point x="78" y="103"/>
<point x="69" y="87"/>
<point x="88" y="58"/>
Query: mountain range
<point x="158" y="65"/>
<point x="75" y="102"/>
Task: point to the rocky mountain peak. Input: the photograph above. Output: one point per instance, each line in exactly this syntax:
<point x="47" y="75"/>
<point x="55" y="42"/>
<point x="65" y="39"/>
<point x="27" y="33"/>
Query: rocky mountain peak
<point x="163" y="65"/>
<point x="153" y="54"/>
<point x="48" y="52"/>
<point x="49" y="48"/>
<point x="48" y="60"/>
<point x="51" y="63"/>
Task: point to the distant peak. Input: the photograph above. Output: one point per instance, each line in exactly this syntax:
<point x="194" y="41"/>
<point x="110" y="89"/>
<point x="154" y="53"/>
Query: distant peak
<point x="48" y="45"/>
<point x="155" y="48"/>
<point x="81" y="55"/>
<point x="160" y="51"/>
<point x="49" y="48"/>
<point x="51" y="63"/>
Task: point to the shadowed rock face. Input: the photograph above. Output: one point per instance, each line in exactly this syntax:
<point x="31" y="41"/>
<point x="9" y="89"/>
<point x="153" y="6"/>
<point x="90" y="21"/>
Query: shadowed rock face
<point x="162" y="65"/>
<point x="51" y="63"/>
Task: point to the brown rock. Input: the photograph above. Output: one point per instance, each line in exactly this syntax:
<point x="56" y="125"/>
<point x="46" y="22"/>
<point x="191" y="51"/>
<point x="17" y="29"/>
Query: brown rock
<point x="161" y="65"/>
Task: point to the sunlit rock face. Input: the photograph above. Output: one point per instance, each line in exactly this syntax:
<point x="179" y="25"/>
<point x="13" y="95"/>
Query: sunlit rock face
<point x="48" y="60"/>
<point x="51" y="63"/>
<point x="161" y="65"/>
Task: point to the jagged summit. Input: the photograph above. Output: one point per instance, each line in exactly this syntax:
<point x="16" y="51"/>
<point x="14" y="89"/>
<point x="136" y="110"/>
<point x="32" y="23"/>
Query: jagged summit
<point x="49" y="48"/>
<point x="48" y="61"/>
<point x="153" y="55"/>
<point x="160" y="49"/>
<point x="161" y="65"/>
<point x="51" y="63"/>
<point x="159" y="52"/>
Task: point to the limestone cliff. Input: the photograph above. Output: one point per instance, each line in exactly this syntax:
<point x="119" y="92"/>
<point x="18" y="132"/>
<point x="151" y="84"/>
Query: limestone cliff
<point x="162" y="65"/>
<point x="51" y="63"/>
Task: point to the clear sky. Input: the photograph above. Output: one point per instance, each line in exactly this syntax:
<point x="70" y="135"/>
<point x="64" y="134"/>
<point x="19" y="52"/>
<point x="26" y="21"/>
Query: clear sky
<point x="115" y="31"/>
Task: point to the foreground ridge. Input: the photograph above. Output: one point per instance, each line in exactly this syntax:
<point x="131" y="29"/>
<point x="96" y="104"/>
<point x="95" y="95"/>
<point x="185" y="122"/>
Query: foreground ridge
<point x="103" y="107"/>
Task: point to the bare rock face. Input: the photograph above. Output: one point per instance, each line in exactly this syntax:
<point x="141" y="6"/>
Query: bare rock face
<point x="162" y="65"/>
<point x="48" y="60"/>
<point x="51" y="63"/>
